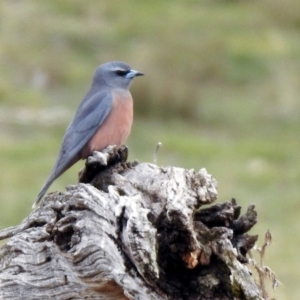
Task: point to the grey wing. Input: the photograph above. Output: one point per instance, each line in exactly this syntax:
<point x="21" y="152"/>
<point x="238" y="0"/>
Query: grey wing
<point x="91" y="113"/>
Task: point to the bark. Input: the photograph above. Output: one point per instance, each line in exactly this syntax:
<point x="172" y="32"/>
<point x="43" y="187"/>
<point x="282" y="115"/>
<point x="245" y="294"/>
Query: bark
<point x="131" y="231"/>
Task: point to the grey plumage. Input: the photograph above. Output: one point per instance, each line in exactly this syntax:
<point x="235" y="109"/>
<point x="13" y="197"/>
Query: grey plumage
<point x="91" y="113"/>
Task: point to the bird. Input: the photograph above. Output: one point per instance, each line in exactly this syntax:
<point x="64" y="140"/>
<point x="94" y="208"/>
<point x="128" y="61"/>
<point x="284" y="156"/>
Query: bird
<point x="104" y="117"/>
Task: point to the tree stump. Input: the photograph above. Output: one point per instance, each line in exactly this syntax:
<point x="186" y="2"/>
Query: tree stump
<point x="131" y="230"/>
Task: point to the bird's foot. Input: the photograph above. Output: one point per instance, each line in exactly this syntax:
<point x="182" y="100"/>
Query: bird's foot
<point x="101" y="160"/>
<point x="109" y="156"/>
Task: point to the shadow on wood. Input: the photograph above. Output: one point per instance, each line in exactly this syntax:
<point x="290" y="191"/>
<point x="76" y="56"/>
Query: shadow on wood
<point x="131" y="231"/>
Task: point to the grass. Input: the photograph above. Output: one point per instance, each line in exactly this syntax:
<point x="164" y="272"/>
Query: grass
<point x="221" y="92"/>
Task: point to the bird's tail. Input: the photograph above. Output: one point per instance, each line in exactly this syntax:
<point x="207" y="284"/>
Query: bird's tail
<point x="59" y="168"/>
<point x="43" y="191"/>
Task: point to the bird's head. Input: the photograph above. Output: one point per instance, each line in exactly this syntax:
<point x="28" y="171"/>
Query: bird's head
<point x="115" y="74"/>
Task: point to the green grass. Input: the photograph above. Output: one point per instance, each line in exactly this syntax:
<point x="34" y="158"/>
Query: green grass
<point x="221" y="91"/>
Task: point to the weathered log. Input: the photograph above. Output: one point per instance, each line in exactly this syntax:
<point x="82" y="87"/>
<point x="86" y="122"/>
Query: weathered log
<point x="131" y="231"/>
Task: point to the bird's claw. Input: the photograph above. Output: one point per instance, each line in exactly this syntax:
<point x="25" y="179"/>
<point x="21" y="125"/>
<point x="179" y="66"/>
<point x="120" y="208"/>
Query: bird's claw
<point x="99" y="161"/>
<point x="97" y="158"/>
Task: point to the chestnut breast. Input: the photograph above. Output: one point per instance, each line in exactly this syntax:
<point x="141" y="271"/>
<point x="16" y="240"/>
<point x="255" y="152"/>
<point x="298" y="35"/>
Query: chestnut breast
<point x="116" y="127"/>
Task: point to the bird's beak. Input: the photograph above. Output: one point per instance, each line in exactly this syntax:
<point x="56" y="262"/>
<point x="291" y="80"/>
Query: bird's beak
<point x="134" y="73"/>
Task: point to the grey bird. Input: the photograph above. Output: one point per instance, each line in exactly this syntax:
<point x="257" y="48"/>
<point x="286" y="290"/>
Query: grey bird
<point x="103" y="118"/>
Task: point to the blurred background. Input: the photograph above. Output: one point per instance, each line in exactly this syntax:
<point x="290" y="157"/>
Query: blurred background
<point x="221" y="91"/>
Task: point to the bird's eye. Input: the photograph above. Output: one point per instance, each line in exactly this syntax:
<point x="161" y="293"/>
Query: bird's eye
<point x="121" y="72"/>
